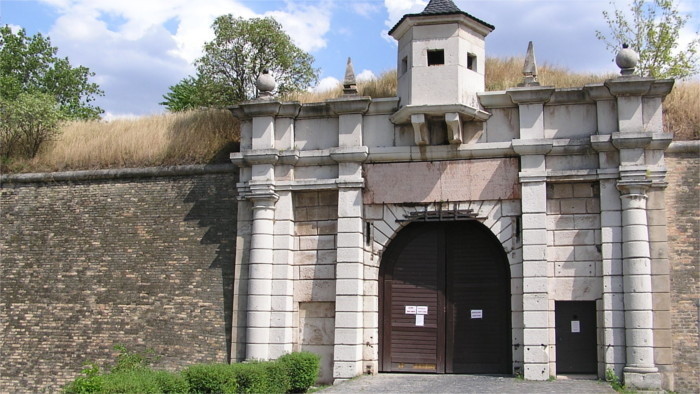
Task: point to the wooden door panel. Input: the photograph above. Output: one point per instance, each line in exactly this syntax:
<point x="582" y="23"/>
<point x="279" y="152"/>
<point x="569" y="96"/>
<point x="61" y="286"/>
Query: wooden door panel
<point x="576" y="346"/>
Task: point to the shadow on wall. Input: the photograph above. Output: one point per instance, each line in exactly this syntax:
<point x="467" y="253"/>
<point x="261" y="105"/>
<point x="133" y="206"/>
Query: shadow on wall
<point x="220" y="219"/>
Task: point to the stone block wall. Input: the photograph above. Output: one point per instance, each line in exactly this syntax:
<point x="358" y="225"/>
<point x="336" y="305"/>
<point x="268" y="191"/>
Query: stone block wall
<point x="573" y="242"/>
<point x="682" y="213"/>
<point x="315" y="228"/>
<point x="84" y="265"/>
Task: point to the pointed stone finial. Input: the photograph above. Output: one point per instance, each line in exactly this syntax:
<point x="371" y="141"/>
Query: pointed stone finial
<point x="265" y="84"/>
<point x="349" y="83"/>
<point x="627" y="60"/>
<point x="530" y="67"/>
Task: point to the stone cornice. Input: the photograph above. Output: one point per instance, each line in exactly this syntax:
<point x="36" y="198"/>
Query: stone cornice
<point x="466" y="112"/>
<point x="598" y="92"/>
<point x="349" y="105"/>
<point x="629" y="86"/>
<point x="352" y="154"/>
<point x="532" y="147"/>
<point x="260" y="108"/>
<point x="531" y="94"/>
<point x="495" y="99"/>
<point x="631" y="140"/>
<point x="661" y="88"/>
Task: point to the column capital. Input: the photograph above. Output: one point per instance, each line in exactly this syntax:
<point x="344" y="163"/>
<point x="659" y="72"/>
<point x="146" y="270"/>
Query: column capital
<point x="262" y="194"/>
<point x="532" y="146"/>
<point x="633" y="188"/>
<point x="531" y="94"/>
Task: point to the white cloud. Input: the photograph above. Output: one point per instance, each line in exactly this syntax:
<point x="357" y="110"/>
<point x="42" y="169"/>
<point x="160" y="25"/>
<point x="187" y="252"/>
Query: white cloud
<point x="325" y="84"/>
<point x="14" y="28"/>
<point x="399" y="8"/>
<point x="365" y="75"/>
<point x="136" y="58"/>
<point x="306" y="25"/>
<point x="365" y="8"/>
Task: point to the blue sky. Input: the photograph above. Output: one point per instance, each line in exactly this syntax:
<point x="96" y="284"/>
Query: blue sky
<point x="138" y="48"/>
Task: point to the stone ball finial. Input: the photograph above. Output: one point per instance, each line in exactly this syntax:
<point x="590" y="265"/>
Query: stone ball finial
<point x="627" y="60"/>
<point x="265" y="84"/>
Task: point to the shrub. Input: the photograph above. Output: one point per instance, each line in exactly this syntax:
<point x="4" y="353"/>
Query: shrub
<point x="129" y="360"/>
<point x="261" y="377"/>
<point x="144" y="381"/>
<point x="211" y="378"/>
<point x="302" y="369"/>
<point x="90" y="383"/>
<point x="26" y="123"/>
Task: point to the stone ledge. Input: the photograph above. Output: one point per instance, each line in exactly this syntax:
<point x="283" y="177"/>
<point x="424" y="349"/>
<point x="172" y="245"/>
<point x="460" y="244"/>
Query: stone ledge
<point x="122" y="173"/>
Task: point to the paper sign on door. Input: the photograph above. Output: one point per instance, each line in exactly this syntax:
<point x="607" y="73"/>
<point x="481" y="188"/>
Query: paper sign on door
<point x="421" y="310"/>
<point x="420" y="320"/>
<point x="477" y="313"/>
<point x="575" y="326"/>
<point x="410" y="309"/>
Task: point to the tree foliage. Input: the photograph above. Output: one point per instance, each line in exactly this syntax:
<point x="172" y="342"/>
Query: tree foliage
<point x="231" y="63"/>
<point x="28" y="64"/>
<point x="26" y="122"/>
<point x="653" y="32"/>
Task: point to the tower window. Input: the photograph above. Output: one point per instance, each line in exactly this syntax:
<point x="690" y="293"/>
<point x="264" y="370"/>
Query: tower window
<point x="436" y="57"/>
<point x="471" y="61"/>
<point x="404" y="65"/>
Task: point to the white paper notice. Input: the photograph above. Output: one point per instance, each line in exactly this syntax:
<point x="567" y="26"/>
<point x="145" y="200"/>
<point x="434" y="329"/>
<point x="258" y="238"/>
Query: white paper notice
<point x="575" y="326"/>
<point x="421" y="310"/>
<point x="420" y="320"/>
<point x="410" y="309"/>
<point x="477" y="314"/>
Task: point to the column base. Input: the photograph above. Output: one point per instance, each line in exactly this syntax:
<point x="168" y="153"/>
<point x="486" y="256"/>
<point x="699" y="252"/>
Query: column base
<point x="642" y="380"/>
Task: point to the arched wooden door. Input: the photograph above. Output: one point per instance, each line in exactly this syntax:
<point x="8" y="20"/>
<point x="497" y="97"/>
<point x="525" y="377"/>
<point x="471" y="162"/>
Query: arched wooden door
<point x="445" y="301"/>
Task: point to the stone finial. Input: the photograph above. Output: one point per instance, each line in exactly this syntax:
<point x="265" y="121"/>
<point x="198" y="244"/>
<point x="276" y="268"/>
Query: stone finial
<point x="349" y="83"/>
<point x="265" y="84"/>
<point x="530" y="67"/>
<point x="627" y="60"/>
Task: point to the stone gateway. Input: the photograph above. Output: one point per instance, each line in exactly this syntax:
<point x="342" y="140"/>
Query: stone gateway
<point x="533" y="231"/>
<point x="454" y="230"/>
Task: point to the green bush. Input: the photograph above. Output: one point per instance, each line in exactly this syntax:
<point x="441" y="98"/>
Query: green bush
<point x="144" y="381"/>
<point x="129" y="360"/>
<point x="302" y="369"/>
<point x="90" y="383"/>
<point x="211" y="378"/>
<point x="261" y="377"/>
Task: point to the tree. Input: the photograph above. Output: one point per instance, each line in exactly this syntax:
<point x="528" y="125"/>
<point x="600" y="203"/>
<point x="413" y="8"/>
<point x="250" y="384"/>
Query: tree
<point x="653" y="33"/>
<point x="26" y="122"/>
<point x="231" y="63"/>
<point x="28" y="64"/>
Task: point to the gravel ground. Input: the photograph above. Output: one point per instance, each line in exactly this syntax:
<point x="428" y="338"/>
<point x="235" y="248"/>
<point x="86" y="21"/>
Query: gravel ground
<point x="424" y="383"/>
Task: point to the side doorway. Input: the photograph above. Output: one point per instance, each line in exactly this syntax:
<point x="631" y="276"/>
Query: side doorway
<point x="575" y="327"/>
<point x="445" y="301"/>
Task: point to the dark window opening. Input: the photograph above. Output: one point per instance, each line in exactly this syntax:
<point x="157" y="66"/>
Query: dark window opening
<point x="404" y="65"/>
<point x="436" y="57"/>
<point x="471" y="61"/>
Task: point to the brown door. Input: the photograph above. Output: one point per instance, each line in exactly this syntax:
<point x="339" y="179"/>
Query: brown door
<point x="445" y="301"/>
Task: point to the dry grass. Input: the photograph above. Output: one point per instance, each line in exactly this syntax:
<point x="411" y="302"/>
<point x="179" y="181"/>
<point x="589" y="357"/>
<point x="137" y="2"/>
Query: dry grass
<point x="208" y="135"/>
<point x="504" y="73"/>
<point x="180" y="138"/>
<point x="682" y="111"/>
<point x="382" y="86"/>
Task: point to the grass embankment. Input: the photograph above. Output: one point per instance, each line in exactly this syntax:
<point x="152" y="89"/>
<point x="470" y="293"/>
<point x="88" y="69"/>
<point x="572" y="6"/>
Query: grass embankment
<point x="206" y="136"/>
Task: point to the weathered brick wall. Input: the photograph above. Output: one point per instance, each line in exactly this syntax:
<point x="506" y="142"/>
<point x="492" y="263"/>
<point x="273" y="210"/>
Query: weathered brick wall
<point x="146" y="262"/>
<point x="682" y="213"/>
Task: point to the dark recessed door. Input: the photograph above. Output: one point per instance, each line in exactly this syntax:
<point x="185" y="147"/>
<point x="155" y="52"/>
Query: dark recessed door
<point x="445" y="301"/>
<point x="576" y="337"/>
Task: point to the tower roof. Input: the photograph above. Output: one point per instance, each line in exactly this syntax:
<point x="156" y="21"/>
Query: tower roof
<point x="440" y="7"/>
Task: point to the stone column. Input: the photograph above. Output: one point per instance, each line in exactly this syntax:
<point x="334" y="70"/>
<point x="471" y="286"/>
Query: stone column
<point x="640" y="370"/>
<point x="349" y="271"/>
<point x="261" y="157"/>
<point x="532" y="148"/>
<point x="632" y="140"/>
<point x="282" y="311"/>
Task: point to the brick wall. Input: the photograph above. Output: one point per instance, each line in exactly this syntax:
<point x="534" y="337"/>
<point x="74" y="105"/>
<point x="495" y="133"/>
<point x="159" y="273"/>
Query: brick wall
<point x="682" y="213"/>
<point x="84" y="265"/>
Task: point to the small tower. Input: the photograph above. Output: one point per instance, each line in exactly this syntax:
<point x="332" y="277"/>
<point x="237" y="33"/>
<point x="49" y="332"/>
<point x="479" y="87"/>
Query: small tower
<point x="441" y="55"/>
